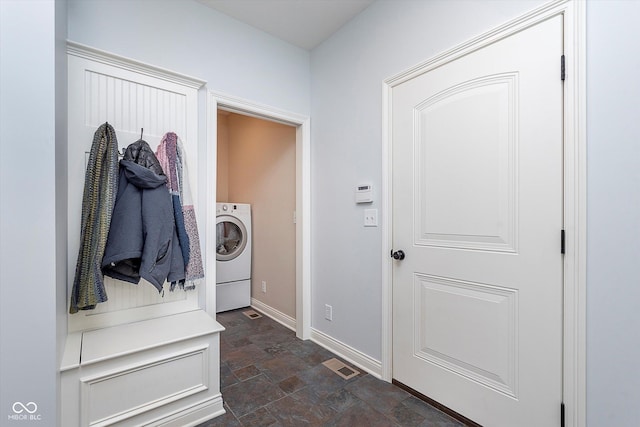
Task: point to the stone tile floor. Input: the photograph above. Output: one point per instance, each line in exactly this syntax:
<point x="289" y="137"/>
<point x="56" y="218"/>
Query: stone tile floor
<point x="271" y="378"/>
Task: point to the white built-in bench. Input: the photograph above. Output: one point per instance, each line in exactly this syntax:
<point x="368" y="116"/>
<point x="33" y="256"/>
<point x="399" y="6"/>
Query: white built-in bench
<point x="156" y="372"/>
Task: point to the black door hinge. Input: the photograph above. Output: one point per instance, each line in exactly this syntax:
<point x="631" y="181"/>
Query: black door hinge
<point x="562" y="244"/>
<point x="562" y="72"/>
<point x="562" y="414"/>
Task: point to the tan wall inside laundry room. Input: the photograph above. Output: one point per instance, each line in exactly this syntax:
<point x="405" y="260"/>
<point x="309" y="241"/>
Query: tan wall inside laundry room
<point x="261" y="170"/>
<point x="222" y="187"/>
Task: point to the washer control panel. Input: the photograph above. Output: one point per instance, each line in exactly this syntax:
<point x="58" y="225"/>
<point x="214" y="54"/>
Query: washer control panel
<point x="229" y="208"/>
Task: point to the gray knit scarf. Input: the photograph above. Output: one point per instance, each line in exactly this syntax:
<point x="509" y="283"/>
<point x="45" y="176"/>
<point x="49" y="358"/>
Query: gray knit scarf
<point x="100" y="188"/>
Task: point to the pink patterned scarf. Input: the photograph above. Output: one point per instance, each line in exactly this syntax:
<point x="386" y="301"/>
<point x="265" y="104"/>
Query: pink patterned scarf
<point x="172" y="157"/>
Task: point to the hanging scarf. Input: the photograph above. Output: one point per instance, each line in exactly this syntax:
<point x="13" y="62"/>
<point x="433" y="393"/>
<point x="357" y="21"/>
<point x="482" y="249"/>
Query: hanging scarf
<point x="100" y="188"/>
<point x="173" y="160"/>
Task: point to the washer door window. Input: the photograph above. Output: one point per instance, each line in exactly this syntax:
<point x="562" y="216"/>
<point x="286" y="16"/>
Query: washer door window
<point x="231" y="238"/>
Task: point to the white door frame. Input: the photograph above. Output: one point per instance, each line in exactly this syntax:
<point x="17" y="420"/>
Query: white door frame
<point x="575" y="185"/>
<point x="303" y="195"/>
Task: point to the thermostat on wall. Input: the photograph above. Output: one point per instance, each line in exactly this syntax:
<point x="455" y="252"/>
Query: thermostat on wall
<point x="364" y="194"/>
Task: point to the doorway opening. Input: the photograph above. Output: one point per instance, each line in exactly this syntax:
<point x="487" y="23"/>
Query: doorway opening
<point x="260" y="156"/>
<point x="256" y="166"/>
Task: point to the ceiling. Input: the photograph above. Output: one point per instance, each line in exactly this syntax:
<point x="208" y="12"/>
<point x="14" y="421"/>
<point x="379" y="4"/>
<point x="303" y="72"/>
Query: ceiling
<point x="304" y="23"/>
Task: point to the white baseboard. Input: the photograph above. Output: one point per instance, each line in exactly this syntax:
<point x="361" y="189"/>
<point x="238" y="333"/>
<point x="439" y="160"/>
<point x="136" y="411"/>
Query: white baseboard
<point x="194" y="415"/>
<point x="350" y="354"/>
<point x="284" y="319"/>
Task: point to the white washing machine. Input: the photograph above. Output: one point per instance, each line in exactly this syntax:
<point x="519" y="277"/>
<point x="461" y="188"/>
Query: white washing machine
<point x="233" y="256"/>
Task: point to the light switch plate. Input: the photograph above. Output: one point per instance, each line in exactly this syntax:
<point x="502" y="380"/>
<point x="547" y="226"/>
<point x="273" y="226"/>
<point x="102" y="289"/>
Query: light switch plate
<point x="371" y="217"/>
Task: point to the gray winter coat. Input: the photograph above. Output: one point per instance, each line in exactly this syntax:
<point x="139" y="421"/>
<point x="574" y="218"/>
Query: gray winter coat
<point x="142" y="238"/>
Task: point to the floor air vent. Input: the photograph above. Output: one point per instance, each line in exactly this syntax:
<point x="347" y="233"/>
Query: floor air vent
<point x="340" y="368"/>
<point x="252" y="314"/>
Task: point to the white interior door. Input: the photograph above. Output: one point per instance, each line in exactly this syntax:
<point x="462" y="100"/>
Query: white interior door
<point x="478" y="211"/>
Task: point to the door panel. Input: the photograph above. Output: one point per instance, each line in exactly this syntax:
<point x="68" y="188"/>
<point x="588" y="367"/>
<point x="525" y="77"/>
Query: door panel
<point x="482" y="350"/>
<point x="446" y="153"/>
<point x="477" y="208"/>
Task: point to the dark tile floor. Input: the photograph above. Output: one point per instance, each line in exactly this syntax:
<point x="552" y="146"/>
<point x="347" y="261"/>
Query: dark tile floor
<point x="271" y="378"/>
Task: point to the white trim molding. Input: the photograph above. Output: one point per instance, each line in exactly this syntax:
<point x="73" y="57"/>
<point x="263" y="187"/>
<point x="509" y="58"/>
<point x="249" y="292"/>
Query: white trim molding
<point x="575" y="186"/>
<point x="348" y="353"/>
<point x="303" y="194"/>
<point x="575" y="215"/>
<point x="284" y="319"/>
<point x="88" y="52"/>
<point x="194" y="415"/>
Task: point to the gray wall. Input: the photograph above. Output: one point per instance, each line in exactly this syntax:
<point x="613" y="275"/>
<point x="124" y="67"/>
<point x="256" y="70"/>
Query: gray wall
<point x="613" y="223"/>
<point x="346" y="93"/>
<point x="389" y="37"/>
<point x="31" y="289"/>
<point x="190" y="38"/>
<point x="346" y="74"/>
<point x="61" y="91"/>
<point x="346" y="103"/>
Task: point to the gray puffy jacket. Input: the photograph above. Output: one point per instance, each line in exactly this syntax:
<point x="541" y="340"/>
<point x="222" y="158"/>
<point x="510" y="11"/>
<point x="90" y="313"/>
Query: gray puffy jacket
<point x="142" y="238"/>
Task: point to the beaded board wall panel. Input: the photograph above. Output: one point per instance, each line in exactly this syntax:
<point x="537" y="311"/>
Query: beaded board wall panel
<point x="135" y="99"/>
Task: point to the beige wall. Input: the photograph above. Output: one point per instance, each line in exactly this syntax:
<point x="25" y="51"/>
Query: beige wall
<point x="222" y="187"/>
<point x="261" y="170"/>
